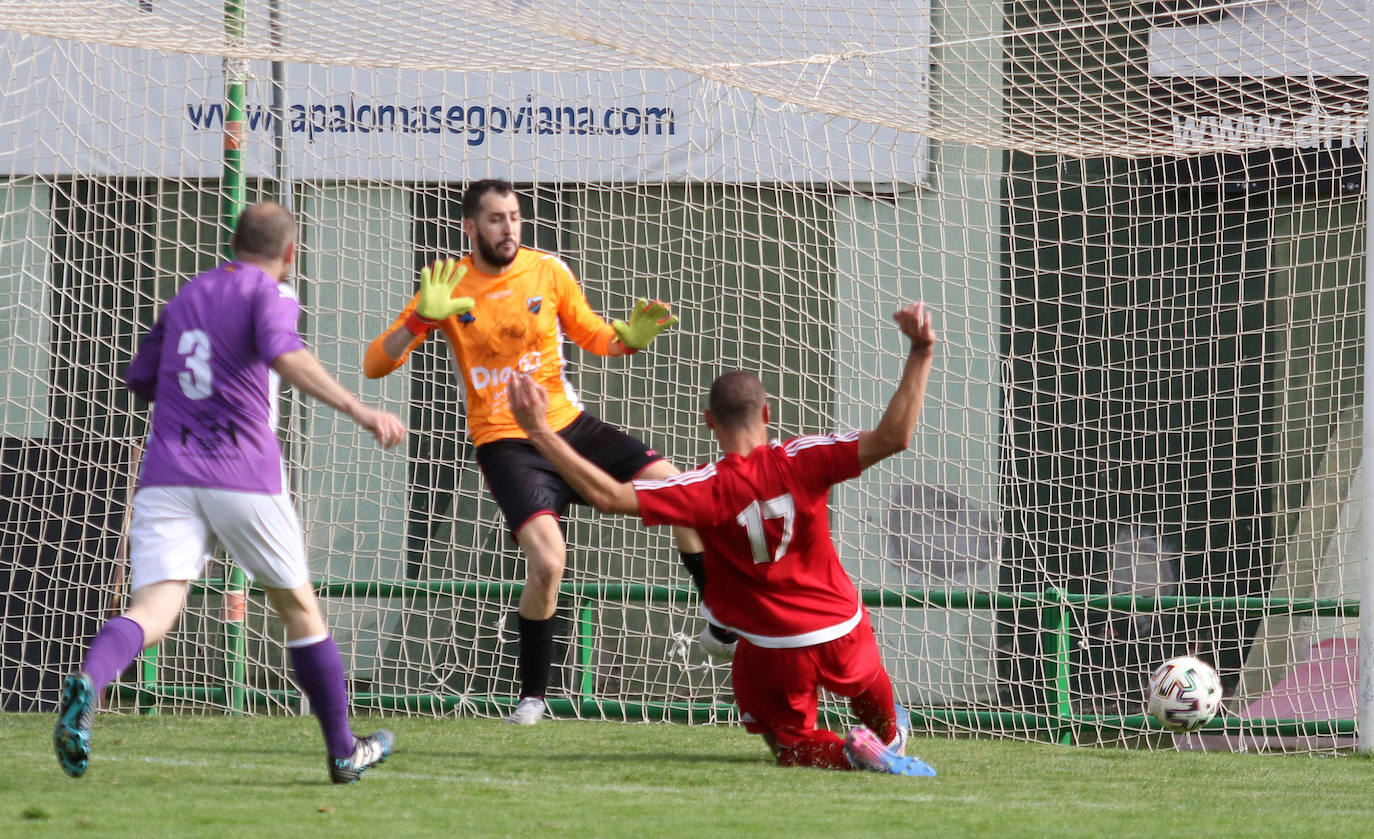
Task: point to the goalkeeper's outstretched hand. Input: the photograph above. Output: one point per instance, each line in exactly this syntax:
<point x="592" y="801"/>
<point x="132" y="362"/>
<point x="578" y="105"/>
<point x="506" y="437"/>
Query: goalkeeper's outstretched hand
<point x="646" y="321"/>
<point x="436" y="291"/>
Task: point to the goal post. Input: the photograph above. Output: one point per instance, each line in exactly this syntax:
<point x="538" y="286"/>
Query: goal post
<point x="1365" y="707"/>
<point x="1142" y="229"/>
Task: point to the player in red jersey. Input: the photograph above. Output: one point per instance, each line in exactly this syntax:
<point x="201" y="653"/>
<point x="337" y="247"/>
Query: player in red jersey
<point x="773" y="575"/>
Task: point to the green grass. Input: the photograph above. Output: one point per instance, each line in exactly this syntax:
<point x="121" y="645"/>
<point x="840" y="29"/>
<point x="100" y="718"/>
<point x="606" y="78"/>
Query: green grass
<point x="251" y="777"/>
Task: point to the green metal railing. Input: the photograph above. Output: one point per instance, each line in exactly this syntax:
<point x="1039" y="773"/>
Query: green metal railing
<point x="1058" y="722"/>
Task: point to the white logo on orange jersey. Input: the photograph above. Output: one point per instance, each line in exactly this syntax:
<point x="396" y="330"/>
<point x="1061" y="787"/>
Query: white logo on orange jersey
<point x="483" y="376"/>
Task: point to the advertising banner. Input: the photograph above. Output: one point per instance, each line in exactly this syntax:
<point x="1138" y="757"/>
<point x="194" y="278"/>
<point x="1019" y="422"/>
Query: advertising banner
<point x="78" y="108"/>
<point x="1270" y="95"/>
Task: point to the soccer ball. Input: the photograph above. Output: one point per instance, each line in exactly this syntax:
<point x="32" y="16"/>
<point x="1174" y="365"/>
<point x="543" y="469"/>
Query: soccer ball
<point x="1184" y="694"/>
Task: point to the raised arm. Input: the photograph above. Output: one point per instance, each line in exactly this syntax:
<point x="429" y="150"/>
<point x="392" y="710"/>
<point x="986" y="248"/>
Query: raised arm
<point x="390" y="350"/>
<point x="647" y="320"/>
<point x="894" y="430"/>
<point x="305" y="372"/>
<point x="530" y="404"/>
<point x="434" y="302"/>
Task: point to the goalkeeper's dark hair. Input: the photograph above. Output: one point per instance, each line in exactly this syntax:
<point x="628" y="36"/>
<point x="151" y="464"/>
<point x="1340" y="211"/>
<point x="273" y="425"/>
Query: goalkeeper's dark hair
<point x="472" y="196"/>
<point x="736" y="398"/>
<point x="264" y="231"/>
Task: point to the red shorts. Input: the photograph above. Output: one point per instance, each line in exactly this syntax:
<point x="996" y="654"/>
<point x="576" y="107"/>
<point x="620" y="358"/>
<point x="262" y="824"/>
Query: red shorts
<point x="776" y="688"/>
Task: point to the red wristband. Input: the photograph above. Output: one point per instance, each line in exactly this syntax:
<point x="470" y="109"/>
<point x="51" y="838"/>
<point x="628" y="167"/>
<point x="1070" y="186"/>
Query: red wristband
<point x="417" y="325"/>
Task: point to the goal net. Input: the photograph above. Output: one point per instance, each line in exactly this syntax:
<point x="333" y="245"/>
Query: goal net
<point x="1140" y="227"/>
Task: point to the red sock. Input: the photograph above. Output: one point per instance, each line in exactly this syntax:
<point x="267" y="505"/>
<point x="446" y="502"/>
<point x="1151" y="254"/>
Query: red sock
<point x="874" y="708"/>
<point x="823" y="749"/>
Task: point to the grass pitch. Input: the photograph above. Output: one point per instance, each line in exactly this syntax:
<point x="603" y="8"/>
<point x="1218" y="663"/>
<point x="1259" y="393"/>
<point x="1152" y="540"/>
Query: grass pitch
<point x="265" y="777"/>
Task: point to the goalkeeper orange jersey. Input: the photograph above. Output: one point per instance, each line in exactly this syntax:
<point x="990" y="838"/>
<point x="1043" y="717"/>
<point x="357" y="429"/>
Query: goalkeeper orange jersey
<point x="518" y="323"/>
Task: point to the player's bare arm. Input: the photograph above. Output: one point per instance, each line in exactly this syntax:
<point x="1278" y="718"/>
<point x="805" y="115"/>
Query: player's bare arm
<point x="529" y="402"/>
<point x="898" y="422"/>
<point x="303" y="371"/>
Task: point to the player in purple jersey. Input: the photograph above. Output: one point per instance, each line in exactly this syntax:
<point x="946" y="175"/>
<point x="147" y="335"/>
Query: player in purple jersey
<point x="213" y="471"/>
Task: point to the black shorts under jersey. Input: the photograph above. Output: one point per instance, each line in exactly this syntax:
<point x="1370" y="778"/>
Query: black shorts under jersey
<point x="525" y="484"/>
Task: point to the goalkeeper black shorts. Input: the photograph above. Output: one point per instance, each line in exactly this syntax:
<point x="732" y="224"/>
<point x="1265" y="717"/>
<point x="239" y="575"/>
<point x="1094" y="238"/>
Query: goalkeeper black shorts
<point x="526" y="485"/>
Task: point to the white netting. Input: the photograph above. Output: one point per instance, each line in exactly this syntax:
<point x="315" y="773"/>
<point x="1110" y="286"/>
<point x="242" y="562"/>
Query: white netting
<point x="1141" y="226"/>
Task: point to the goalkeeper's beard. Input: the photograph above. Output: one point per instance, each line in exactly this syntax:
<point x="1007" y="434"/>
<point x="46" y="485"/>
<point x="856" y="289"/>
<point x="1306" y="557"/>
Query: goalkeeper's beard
<point x="493" y="257"/>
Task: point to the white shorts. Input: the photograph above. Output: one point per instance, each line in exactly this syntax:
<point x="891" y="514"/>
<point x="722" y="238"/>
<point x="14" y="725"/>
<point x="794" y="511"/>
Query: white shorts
<point x="174" y="528"/>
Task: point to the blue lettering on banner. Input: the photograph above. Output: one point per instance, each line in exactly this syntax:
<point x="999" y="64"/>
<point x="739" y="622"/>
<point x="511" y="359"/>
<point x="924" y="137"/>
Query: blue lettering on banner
<point x="475" y="123"/>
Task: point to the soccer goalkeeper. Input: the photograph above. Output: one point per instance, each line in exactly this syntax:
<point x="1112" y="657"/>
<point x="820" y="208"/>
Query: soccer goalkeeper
<point x="504" y="309"/>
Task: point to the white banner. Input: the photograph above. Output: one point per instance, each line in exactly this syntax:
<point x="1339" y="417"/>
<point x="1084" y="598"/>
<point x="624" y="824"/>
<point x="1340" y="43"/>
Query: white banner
<point x="1286" y="80"/>
<point x="73" y="108"/>
<point x="1273" y="38"/>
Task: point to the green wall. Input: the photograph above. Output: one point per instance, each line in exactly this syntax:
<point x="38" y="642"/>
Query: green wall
<point x="25" y="269"/>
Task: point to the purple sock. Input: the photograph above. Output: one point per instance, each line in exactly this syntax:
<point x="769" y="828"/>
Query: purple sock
<point x="319" y="672"/>
<point x="116" y="645"/>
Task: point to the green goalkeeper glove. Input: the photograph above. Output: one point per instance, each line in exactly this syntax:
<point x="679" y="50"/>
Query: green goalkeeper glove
<point x="646" y="321"/>
<point x="436" y="300"/>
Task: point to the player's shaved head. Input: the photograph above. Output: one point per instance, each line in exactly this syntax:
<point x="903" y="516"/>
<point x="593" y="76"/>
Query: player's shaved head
<point x="736" y="399"/>
<point x="472" y="198"/>
<point x="264" y="231"/>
